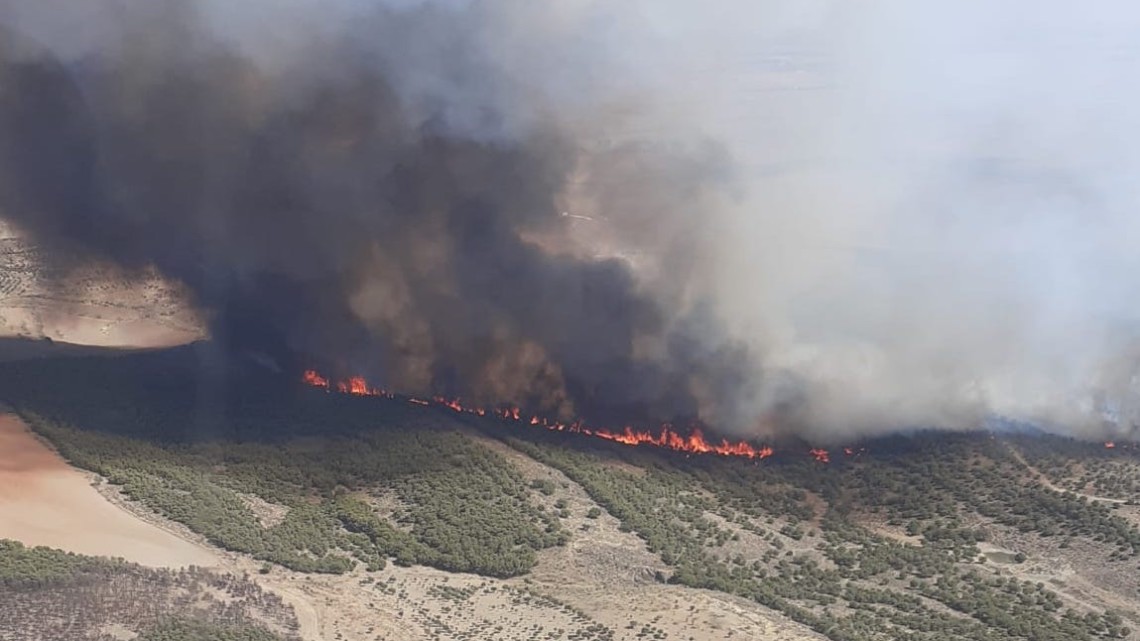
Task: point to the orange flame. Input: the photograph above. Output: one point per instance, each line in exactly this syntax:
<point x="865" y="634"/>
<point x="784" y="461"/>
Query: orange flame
<point x="311" y="377"/>
<point x="694" y="442"/>
<point x="820" y="455"/>
<point x="667" y="438"/>
<point x="355" y="385"/>
<point x="1108" y="445"/>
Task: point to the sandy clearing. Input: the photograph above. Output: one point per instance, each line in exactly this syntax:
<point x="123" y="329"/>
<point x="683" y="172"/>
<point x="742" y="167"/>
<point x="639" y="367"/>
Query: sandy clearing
<point x="43" y="501"/>
<point x="94" y="326"/>
<point x="128" y="332"/>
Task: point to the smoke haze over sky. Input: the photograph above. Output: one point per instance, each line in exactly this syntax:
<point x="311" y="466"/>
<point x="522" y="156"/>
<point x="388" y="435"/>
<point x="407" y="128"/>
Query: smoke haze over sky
<point x="824" y="218"/>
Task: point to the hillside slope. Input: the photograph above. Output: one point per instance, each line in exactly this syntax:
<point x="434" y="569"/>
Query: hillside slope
<point x="378" y="518"/>
<point x="46" y="294"/>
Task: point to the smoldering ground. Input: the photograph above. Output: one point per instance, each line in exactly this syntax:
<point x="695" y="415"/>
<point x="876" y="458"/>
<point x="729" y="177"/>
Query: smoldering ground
<point x="803" y="217"/>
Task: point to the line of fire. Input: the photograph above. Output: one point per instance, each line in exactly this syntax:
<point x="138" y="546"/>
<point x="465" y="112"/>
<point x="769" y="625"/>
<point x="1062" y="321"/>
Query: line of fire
<point x="667" y="437"/>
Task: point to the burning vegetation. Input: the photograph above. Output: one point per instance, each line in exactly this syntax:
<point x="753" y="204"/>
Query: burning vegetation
<point x="667" y="436"/>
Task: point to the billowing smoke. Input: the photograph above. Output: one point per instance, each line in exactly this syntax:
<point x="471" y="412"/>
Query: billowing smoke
<point x="391" y="189"/>
<point x="941" y="224"/>
<point x="807" y="216"/>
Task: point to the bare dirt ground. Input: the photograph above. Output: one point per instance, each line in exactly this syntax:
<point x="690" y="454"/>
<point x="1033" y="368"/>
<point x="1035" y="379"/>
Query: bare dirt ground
<point x="43" y="501"/>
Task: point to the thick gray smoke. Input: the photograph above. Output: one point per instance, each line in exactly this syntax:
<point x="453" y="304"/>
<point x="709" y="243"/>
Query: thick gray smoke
<point x="807" y="216"/>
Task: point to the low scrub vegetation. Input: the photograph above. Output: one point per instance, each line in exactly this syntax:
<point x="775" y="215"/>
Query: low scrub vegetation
<point x="39" y="584"/>
<point x="881" y="545"/>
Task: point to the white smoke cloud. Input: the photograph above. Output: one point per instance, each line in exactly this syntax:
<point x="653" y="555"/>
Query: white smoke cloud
<point x="941" y="218"/>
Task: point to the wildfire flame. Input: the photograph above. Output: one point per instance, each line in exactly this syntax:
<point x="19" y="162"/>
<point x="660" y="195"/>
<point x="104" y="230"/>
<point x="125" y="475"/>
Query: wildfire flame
<point x="355" y="385"/>
<point x="820" y="455"/>
<point x="666" y="437"/>
<point x="1108" y="445"/>
<point x="315" y="379"/>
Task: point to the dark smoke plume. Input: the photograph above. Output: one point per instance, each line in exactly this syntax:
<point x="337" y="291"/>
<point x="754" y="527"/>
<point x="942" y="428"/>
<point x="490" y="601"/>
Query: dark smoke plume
<point x="376" y="195"/>
<point x="910" y="214"/>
